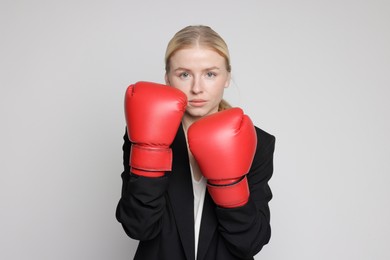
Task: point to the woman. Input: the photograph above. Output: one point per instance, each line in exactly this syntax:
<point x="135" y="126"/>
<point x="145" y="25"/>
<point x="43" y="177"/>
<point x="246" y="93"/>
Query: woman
<point x="195" y="184"/>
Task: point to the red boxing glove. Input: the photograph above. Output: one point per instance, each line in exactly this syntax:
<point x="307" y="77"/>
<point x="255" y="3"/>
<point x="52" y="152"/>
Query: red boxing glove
<point x="153" y="115"/>
<point x="224" y="145"/>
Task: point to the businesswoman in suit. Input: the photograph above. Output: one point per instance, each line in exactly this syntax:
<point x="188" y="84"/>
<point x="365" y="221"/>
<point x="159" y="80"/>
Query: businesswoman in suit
<point x="196" y="170"/>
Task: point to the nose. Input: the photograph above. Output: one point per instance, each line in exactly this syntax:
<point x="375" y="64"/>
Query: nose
<point x="196" y="87"/>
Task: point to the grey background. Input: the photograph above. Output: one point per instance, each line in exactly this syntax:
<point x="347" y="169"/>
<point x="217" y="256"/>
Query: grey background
<point x="313" y="73"/>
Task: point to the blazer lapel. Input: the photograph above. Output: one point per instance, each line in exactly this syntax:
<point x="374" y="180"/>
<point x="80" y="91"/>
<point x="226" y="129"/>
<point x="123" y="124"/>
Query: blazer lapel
<point x="181" y="195"/>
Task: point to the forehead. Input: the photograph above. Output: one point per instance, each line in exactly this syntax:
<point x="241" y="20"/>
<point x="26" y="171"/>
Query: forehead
<point x="197" y="57"/>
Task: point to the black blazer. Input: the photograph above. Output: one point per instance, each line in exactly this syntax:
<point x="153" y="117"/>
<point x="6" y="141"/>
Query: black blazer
<point x="159" y="212"/>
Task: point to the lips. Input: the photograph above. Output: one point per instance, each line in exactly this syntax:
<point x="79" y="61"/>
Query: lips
<point x="197" y="102"/>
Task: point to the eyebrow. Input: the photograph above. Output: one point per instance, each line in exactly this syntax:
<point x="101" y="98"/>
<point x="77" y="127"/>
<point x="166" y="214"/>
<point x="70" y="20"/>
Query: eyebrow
<point x="211" y="68"/>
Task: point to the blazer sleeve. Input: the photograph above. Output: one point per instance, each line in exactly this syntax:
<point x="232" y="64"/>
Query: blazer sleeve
<point x="247" y="229"/>
<point x="142" y="201"/>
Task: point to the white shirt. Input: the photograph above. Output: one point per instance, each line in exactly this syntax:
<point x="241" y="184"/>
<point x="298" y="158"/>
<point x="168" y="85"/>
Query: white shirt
<point x="199" y="189"/>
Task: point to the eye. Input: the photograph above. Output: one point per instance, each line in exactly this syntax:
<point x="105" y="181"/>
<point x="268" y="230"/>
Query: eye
<point x="184" y="75"/>
<point x="211" y="74"/>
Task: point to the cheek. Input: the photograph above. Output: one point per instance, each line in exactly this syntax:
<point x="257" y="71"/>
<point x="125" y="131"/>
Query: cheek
<point x="179" y="84"/>
<point x="219" y="88"/>
<point x="220" y="92"/>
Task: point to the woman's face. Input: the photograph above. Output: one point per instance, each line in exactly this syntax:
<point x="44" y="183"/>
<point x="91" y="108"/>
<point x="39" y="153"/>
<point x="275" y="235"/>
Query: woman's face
<point x="201" y="74"/>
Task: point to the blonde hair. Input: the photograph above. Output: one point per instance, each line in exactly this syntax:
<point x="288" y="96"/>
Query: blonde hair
<point x="201" y="35"/>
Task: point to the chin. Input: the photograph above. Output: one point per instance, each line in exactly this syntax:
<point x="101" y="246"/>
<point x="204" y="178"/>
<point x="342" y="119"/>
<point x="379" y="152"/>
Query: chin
<point x="198" y="113"/>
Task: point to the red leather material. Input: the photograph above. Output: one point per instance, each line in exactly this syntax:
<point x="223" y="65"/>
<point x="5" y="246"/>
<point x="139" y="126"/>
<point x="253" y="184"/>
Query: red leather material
<point x="224" y="145"/>
<point x="150" y="161"/>
<point x="153" y="114"/>
<point x="230" y="196"/>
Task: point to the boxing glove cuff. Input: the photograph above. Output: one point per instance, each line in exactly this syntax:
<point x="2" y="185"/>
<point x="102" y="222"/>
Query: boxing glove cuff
<point x="230" y="196"/>
<point x="150" y="161"/>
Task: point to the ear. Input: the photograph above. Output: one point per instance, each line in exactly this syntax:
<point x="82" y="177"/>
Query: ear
<point x="227" y="83"/>
<point x="167" y="80"/>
